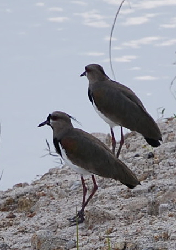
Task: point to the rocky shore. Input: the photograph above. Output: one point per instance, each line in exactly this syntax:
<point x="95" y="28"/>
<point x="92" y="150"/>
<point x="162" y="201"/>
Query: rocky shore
<point x="35" y="216"/>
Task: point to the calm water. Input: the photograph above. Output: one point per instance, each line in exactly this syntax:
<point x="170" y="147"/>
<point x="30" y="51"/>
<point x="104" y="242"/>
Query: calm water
<point x="44" y="47"/>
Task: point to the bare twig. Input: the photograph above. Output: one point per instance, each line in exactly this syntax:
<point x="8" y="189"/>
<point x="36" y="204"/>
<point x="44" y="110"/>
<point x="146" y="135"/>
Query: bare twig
<point x="160" y="112"/>
<point x="49" y="150"/>
<point x="1" y="174"/>
<point x="110" y="40"/>
<point x="171" y="85"/>
<point x="51" y="153"/>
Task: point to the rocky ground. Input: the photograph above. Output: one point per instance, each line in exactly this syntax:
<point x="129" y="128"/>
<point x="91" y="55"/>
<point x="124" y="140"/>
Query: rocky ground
<point x="35" y="216"/>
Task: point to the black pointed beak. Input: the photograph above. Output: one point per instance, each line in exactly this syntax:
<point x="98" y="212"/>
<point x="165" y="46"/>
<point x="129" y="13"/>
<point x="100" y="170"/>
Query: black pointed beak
<point x="47" y="122"/>
<point x="83" y="74"/>
<point x="43" y="123"/>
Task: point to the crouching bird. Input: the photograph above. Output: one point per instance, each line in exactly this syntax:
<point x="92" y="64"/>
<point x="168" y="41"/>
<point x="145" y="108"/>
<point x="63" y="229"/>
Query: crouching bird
<point x="86" y="155"/>
<point x="118" y="105"/>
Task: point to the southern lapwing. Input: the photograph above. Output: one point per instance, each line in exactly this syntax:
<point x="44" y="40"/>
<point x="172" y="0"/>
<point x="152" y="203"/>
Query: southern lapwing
<point x="118" y="105"/>
<point x="86" y="155"/>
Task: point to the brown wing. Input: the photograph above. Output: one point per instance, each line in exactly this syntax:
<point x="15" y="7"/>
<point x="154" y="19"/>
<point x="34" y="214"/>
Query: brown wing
<point x="123" y="107"/>
<point x="91" y="154"/>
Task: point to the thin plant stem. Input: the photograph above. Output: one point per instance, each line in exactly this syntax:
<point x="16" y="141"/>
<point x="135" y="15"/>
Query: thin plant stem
<point x="110" y="40"/>
<point x="77" y="232"/>
<point x="1" y="174"/>
<point x="109" y="243"/>
<point x="171" y="85"/>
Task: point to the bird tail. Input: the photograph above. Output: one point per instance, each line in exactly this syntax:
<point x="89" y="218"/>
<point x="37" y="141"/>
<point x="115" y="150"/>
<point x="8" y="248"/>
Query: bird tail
<point x="125" y="176"/>
<point x="132" y="186"/>
<point x="152" y="142"/>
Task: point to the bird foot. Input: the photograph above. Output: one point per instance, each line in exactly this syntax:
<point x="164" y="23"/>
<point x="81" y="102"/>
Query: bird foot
<point x="79" y="218"/>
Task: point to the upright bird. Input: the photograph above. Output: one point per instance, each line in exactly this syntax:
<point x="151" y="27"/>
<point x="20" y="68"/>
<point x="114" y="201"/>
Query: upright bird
<point x="118" y="105"/>
<point x="86" y="155"/>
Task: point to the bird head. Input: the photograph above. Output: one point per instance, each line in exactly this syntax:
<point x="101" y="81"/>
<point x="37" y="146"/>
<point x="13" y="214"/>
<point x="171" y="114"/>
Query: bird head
<point x="58" y="119"/>
<point x="94" y="72"/>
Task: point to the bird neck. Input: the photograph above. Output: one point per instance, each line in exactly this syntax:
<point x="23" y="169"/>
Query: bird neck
<point x="96" y="77"/>
<point x="61" y="130"/>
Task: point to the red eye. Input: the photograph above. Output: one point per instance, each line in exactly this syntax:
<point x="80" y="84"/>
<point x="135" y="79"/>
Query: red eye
<point x="54" y="117"/>
<point x="87" y="69"/>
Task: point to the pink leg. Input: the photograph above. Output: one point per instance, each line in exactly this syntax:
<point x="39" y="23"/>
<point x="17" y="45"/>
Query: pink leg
<point x="121" y="143"/>
<point x="95" y="187"/>
<point x="113" y="141"/>
<point x="84" y="190"/>
<point x="79" y="218"/>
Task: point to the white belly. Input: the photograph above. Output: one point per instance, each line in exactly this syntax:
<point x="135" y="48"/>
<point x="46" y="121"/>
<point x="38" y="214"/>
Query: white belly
<point x="106" y="119"/>
<point x="77" y="169"/>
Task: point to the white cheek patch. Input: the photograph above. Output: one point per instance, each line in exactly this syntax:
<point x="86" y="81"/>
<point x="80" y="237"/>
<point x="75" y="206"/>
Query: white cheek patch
<point x="77" y="169"/>
<point x="51" y="122"/>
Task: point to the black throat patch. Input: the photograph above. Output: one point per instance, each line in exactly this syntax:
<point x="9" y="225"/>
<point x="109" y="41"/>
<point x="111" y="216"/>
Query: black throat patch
<point x="56" y="144"/>
<point x="90" y="96"/>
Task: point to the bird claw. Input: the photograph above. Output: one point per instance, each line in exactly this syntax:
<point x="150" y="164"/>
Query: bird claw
<point x="79" y="218"/>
